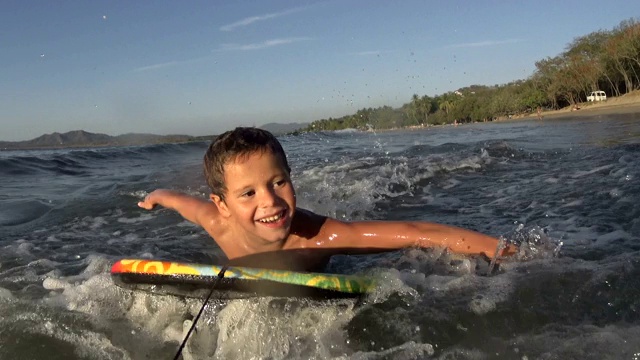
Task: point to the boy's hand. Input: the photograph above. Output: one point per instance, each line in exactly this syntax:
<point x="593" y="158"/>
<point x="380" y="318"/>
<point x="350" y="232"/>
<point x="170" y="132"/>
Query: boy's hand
<point x="150" y="201"/>
<point x="192" y="208"/>
<point x="146" y="204"/>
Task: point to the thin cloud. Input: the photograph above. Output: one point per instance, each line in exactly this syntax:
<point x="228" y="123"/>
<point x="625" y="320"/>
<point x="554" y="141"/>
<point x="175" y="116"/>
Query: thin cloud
<point x="261" y="45"/>
<point x="252" y="19"/>
<point x="485" y="43"/>
<point x="172" y="63"/>
<point x="156" y="66"/>
<point x="224" y="47"/>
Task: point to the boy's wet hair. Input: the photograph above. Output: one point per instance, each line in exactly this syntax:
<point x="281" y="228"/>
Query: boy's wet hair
<point x="228" y="146"/>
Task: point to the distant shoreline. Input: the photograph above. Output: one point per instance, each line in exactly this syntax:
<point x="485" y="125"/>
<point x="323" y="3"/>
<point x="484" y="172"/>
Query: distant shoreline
<point x="625" y="104"/>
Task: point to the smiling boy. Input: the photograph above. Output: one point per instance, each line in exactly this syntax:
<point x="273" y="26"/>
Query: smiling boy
<point x="252" y="213"/>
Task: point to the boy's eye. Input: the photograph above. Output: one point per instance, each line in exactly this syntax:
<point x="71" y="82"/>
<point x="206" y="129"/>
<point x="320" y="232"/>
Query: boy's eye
<point x="280" y="182"/>
<point x="248" y="193"/>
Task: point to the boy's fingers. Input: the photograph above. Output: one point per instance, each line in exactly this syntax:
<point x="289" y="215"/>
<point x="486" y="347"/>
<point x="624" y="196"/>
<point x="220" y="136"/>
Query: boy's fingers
<point x="145" y="205"/>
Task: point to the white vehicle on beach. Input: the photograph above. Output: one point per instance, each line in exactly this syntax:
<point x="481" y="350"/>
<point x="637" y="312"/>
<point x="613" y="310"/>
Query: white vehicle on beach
<point x="597" y="96"/>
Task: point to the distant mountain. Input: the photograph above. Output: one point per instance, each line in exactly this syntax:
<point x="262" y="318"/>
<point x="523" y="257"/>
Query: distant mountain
<point x="278" y="129"/>
<point x="67" y="139"/>
<point x="81" y="138"/>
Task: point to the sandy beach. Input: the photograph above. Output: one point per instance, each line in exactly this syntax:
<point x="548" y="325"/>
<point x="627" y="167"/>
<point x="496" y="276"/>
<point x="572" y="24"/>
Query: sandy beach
<point x="625" y="104"/>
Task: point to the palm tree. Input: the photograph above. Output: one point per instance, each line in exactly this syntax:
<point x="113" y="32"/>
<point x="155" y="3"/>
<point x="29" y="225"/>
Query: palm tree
<point x="425" y="107"/>
<point x="445" y="105"/>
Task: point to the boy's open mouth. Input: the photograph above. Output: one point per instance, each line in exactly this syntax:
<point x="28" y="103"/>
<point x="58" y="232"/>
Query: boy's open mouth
<point x="273" y="219"/>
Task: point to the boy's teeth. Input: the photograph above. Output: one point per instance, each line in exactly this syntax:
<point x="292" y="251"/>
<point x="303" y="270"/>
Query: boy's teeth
<point x="271" y="218"/>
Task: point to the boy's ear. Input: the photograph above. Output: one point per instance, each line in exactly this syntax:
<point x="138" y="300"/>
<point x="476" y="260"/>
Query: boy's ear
<point x="221" y="205"/>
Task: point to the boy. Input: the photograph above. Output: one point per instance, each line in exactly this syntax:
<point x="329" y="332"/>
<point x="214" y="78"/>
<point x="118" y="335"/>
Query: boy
<point x="253" y="217"/>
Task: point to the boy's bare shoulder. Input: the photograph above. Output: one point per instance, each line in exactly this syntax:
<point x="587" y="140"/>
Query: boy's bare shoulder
<point x="309" y="225"/>
<point x="306" y="224"/>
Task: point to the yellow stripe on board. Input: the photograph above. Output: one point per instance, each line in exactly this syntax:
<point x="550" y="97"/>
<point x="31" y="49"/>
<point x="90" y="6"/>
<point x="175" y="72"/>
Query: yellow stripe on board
<point x="176" y="268"/>
<point x="320" y="279"/>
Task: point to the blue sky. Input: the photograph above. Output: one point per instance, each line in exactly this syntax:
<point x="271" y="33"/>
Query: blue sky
<point x="203" y="67"/>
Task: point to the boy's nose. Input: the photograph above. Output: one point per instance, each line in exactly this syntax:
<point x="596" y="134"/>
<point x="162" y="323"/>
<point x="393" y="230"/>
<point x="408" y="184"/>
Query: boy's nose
<point x="268" y="198"/>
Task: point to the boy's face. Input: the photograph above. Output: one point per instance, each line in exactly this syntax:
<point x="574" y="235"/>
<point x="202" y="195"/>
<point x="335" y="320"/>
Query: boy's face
<point x="259" y="198"/>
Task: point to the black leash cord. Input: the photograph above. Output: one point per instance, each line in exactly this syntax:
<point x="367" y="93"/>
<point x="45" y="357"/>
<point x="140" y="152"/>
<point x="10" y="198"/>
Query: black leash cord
<point x="195" y="320"/>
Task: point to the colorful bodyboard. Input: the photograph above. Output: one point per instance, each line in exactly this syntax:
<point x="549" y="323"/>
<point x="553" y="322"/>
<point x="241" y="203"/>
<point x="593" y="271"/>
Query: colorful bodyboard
<point x="196" y="280"/>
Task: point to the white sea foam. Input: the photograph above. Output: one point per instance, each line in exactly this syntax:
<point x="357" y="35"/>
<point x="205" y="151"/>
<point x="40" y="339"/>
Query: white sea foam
<point x="574" y="203"/>
<point x="281" y="328"/>
<point x="6" y="294"/>
<point x="579" y="174"/>
<point x="50" y="283"/>
<point x="24" y="248"/>
<point x="143" y="217"/>
<point x="392" y="281"/>
<point x="142" y="315"/>
<point x="86" y="343"/>
<point x="409" y="350"/>
<point x="568" y="342"/>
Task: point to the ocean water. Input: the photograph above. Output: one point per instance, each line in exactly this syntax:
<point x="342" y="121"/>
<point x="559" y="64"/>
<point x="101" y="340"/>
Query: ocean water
<point x="566" y="191"/>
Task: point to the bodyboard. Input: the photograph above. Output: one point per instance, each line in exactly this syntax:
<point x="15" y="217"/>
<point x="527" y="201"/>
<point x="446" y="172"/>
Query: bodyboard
<point x="196" y="280"/>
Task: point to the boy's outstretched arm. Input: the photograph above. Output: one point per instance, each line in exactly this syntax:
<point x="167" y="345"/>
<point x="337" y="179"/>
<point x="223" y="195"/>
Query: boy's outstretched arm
<point x="400" y="234"/>
<point x="194" y="209"/>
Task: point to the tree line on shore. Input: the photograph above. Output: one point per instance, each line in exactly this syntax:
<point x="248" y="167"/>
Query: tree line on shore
<point x="607" y="60"/>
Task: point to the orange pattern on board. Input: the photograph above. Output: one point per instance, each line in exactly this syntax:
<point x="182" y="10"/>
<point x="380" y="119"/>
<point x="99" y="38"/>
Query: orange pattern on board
<point x="153" y="267"/>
